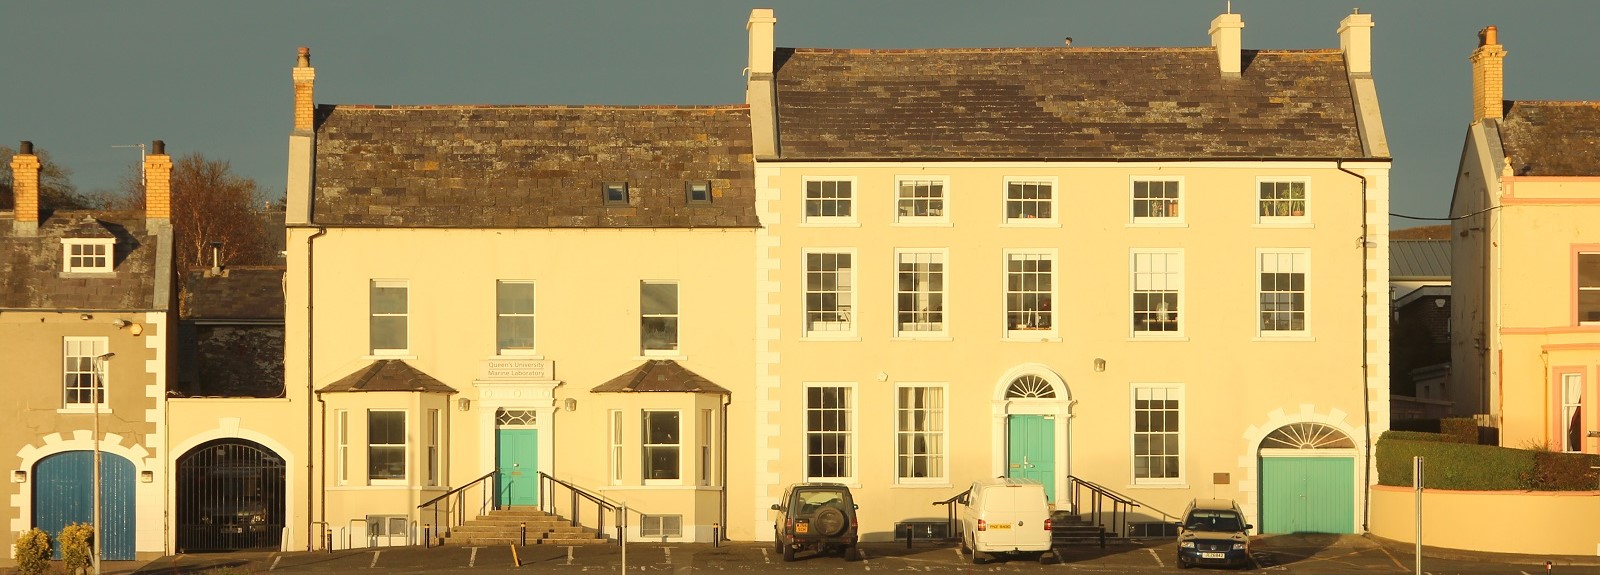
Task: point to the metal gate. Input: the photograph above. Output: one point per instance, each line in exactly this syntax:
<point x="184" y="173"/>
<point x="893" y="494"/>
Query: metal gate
<point x="230" y="497"/>
<point x="63" y="494"/>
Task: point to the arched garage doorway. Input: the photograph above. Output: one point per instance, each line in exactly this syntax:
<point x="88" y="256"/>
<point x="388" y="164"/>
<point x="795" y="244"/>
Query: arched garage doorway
<point x="1308" y="480"/>
<point x="230" y="497"/>
<point x="63" y="494"/>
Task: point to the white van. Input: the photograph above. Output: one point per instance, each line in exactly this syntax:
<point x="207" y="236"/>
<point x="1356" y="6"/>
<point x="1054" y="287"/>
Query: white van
<point x="1006" y="515"/>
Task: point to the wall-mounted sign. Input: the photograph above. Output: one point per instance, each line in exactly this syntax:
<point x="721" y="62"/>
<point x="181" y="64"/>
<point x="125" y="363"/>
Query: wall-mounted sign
<point x="525" y="369"/>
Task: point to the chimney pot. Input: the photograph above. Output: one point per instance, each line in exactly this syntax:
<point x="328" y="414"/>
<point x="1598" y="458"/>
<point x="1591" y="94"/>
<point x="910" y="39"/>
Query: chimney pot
<point x="158" y="147"/>
<point x="304" y="60"/>
<point x="25" y="148"/>
<point x="1069" y="41"/>
<point x="1488" y="36"/>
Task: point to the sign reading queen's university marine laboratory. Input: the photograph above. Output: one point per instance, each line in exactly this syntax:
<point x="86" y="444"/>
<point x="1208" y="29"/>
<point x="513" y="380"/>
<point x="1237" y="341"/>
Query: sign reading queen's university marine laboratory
<point x="521" y="369"/>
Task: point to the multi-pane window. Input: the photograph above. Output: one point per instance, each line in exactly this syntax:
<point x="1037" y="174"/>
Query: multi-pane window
<point x="1030" y="286"/>
<point x="1157" y="292"/>
<point x="513" y="316"/>
<point x="616" y="447"/>
<point x="830" y="432"/>
<point x="661" y="444"/>
<point x="1589" y="288"/>
<point x="1282" y="291"/>
<point x="342" y="458"/>
<point x="1030" y="201"/>
<point x="830" y="295"/>
<point x="1156" y="201"/>
<point x="389" y="304"/>
<point x="919" y="433"/>
<point x="660" y="525"/>
<point x="1572" y="412"/>
<point x="918" y="200"/>
<point x="705" y="446"/>
<point x="84" y="376"/>
<point x="614" y="193"/>
<point x="86" y="255"/>
<point x="433" y="447"/>
<point x="658" y="317"/>
<point x="829" y="200"/>
<point x="1157" y="430"/>
<point x="1280" y="200"/>
<point x="919" y="292"/>
<point x="386" y="445"/>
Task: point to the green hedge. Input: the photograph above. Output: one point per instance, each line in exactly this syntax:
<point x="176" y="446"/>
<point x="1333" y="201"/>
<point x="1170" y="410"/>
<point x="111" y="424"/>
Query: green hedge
<point x="1464" y="429"/>
<point x="1564" y="471"/>
<point x="1470" y="467"/>
<point x="1417" y="436"/>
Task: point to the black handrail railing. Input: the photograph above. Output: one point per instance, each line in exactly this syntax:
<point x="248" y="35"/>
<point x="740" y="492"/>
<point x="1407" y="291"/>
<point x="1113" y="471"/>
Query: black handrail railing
<point x="952" y="526"/>
<point x="1120" y="504"/>
<point x="547" y="488"/>
<point x="454" y="515"/>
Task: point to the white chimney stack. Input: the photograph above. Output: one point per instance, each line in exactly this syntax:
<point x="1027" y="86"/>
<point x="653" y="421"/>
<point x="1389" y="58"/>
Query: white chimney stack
<point x="1227" y="37"/>
<point x="1355" y="40"/>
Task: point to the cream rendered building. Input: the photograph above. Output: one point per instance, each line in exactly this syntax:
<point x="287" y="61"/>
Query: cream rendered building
<point x="481" y="296"/>
<point x="1526" y="279"/>
<point x="1161" y="271"/>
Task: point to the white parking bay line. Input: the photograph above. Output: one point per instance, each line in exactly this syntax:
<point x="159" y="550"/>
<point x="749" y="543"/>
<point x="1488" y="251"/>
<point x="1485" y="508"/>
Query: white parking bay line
<point x="668" y="559"/>
<point x="375" y="555"/>
<point x="472" y="560"/>
<point x="764" y="557"/>
<point x="1156" y="556"/>
<point x="569" y="554"/>
<point x="959" y="555"/>
<point x="275" y="561"/>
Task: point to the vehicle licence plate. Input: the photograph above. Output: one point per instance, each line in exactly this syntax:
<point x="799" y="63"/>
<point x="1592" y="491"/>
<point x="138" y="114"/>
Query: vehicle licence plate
<point x="1211" y="555"/>
<point x="999" y="525"/>
<point x="802" y="528"/>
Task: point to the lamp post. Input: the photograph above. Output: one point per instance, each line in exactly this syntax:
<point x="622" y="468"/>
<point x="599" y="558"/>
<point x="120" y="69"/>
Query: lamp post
<point x="99" y="393"/>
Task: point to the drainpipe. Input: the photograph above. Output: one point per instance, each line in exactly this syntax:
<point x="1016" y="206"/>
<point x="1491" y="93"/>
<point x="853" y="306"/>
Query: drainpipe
<point x="1366" y="394"/>
<point x="722" y="468"/>
<point x="322" y="494"/>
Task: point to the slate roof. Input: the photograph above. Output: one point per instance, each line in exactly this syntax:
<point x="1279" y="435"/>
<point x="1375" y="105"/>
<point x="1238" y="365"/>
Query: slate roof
<point x="660" y="375"/>
<point x="1062" y="103"/>
<point x="30" y="266"/>
<point x="241" y="292"/>
<point x="1419" y="259"/>
<point x="1548" y="138"/>
<point x="388" y="375"/>
<point x="531" y="166"/>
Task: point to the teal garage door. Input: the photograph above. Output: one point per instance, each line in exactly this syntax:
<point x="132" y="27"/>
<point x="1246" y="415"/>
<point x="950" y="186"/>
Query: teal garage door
<point x="1308" y="495"/>
<point x="63" y="494"/>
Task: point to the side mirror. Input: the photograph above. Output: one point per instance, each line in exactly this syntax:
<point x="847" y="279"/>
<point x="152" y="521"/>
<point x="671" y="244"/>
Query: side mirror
<point x="854" y="506"/>
<point x="776" y="507"/>
<point x="1248" y="527"/>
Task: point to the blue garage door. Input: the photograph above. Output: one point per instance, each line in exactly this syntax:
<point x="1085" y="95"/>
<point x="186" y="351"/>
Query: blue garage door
<point x="63" y="494"/>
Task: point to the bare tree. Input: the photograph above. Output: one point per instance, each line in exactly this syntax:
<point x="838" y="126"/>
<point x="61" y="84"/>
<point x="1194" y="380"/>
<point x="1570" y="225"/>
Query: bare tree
<point x="56" y="191"/>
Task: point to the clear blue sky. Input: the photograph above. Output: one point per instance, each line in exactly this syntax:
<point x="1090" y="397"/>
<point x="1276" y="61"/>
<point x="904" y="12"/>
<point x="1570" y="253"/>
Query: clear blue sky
<point x="78" y="77"/>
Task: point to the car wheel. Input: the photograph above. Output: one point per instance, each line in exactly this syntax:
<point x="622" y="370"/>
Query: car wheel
<point x="830" y="520"/>
<point x="788" y="553"/>
<point x="851" y="553"/>
<point x="1047" y="557"/>
<point x="1181" y="564"/>
<point x="965" y="548"/>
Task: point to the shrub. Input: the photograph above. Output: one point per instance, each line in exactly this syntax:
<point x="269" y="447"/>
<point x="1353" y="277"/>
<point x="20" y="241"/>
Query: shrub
<point x="1463" y="429"/>
<point x="75" y="540"/>
<point x="33" y="552"/>
<point x="1554" y="471"/>
<point x="1449" y="465"/>
<point x="1416" y="436"/>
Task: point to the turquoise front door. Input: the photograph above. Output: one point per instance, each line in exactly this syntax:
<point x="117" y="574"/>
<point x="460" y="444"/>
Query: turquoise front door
<point x="63" y="494"/>
<point x="517" y="456"/>
<point x="1308" y="495"/>
<point x="1031" y="450"/>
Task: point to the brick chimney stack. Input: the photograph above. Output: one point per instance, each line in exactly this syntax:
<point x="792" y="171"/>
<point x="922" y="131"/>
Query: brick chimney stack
<point x="25" y="189"/>
<point x="1227" y="32"/>
<point x="302" y="142"/>
<point x="1488" y="77"/>
<point x="305" y="78"/>
<point x="158" y="182"/>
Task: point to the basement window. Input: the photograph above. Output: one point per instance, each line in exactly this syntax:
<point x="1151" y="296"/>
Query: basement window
<point x="661" y="526"/>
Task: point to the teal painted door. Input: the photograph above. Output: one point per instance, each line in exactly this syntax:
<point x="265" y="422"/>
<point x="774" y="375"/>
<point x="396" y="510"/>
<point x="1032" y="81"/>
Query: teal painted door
<point x="1031" y="450"/>
<point x="1308" y="495"/>
<point x="63" y="494"/>
<point x="517" y="456"/>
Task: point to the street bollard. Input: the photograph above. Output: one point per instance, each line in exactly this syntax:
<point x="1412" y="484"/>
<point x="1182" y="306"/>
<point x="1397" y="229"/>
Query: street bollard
<point x="524" y="532"/>
<point x="911" y="533"/>
<point x="716" y="534"/>
<point x="327" y="537"/>
<point x="427" y="536"/>
<point x="1547" y="568"/>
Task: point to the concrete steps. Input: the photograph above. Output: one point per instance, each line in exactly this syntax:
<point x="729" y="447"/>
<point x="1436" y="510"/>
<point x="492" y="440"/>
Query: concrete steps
<point x="504" y="527"/>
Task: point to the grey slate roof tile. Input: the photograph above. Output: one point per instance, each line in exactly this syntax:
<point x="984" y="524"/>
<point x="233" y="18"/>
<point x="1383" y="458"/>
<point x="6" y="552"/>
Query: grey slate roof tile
<point x="30" y="266"/>
<point x="241" y="292"/>
<point x="388" y="375"/>
<point x="1552" y="138"/>
<point x="660" y="375"/>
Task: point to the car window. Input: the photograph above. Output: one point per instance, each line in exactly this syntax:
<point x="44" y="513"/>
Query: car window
<point x="811" y="500"/>
<point x="1208" y="520"/>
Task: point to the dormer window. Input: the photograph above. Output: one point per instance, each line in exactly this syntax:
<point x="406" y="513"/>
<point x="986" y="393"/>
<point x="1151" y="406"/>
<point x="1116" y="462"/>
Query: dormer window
<point x="87" y="255"/>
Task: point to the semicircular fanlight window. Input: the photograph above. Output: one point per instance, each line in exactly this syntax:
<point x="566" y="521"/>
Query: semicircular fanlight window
<point x="1029" y="387"/>
<point x="1307" y="436"/>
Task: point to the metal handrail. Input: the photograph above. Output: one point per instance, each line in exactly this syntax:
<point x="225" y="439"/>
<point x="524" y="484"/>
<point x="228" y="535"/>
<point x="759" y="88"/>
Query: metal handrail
<point x="952" y="526"/>
<point x="453" y="515"/>
<point x="601" y="502"/>
<point x="1121" y="505"/>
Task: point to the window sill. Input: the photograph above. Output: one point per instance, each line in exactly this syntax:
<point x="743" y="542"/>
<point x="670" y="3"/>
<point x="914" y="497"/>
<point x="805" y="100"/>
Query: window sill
<point x="1143" y="224"/>
<point x="1031" y="336"/>
<point x="1301" y="338"/>
<point x="86" y="274"/>
<point x="1286" y="225"/>
<point x="851" y="483"/>
<point x="1178" y="337"/>
<point x="828" y="224"/>
<point x="104" y="410"/>
<point x="388" y="356"/>
<point x="905" y="337"/>
<point x="1184" y="485"/>
<point x="518" y="353"/>
<point x="921" y="486"/>
<point x="650" y="356"/>
<point x="830" y="338"/>
<point x="918" y="224"/>
<point x="1029" y="224"/>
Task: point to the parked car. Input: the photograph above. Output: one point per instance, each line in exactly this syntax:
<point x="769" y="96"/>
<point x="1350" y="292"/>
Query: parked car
<point x="1213" y="532"/>
<point x="1006" y="515"/>
<point x="816" y="516"/>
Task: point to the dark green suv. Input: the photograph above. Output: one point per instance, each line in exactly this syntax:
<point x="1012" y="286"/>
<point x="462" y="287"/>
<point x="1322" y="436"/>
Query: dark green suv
<point x="816" y="516"/>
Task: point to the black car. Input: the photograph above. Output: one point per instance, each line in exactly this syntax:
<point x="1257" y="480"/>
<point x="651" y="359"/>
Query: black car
<point x="1213" y="532"/>
<point x="818" y="517"/>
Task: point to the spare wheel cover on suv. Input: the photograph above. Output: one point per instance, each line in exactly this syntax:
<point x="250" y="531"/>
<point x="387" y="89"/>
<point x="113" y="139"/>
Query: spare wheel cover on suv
<point x="830" y="521"/>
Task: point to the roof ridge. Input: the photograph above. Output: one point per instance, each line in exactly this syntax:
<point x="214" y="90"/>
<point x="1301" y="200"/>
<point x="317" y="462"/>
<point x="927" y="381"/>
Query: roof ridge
<point x="1557" y="102"/>
<point x="1002" y="49"/>
<point x="633" y="107"/>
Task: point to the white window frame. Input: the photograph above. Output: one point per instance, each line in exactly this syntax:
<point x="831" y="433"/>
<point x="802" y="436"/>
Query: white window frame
<point x="405" y="448"/>
<point x="676" y="316"/>
<point x="616" y="447"/>
<point x="645" y="447"/>
<point x="1300" y="261"/>
<point x="1055" y="202"/>
<point x="904" y="204"/>
<point x="433" y="462"/>
<point x="105" y="260"/>
<point x="707" y="431"/>
<point x="1582" y="288"/>
<point x="1174" y="209"/>
<point x="940" y="256"/>
<point x="1170" y="391"/>
<point x="941" y="436"/>
<point x="851" y="432"/>
<point x="1571" y="382"/>
<point x="342" y="459"/>
<point x="849" y="311"/>
<point x="1305" y="200"/>
<point x="1152" y="279"/>
<point x="78" y="364"/>
<point x="1053" y="318"/>
<point x="854" y="202"/>
<point x="372" y="287"/>
<point x="502" y="315"/>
